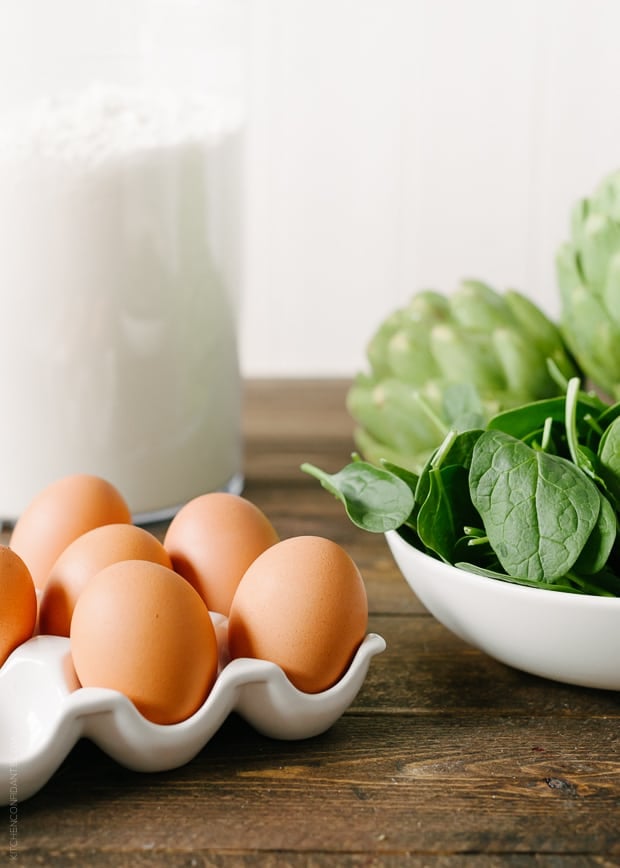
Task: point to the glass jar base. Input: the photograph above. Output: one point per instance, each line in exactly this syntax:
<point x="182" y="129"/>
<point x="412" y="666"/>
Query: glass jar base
<point x="234" y="485"/>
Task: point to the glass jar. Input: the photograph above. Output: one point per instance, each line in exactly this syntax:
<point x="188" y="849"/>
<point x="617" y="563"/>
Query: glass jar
<point x="121" y="142"/>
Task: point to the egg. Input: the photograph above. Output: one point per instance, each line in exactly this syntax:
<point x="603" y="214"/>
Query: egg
<point x="212" y="541"/>
<point x="301" y="604"/>
<point x="141" y="629"/>
<point x="59" y="514"/>
<point x="18" y="602"/>
<point x="82" y="559"/>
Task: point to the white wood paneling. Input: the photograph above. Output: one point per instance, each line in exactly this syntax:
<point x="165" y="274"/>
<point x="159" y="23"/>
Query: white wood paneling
<point x="400" y="144"/>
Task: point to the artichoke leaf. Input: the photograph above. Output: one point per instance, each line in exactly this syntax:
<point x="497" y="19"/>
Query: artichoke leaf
<point x="465" y="358"/>
<point x="521" y="362"/>
<point x="568" y="271"/>
<point x="543" y="333"/>
<point x="395" y="414"/>
<point x="594" y="339"/>
<point x="409" y="355"/>
<point x="611" y="292"/>
<point x="601" y="239"/>
<point x="477" y="307"/>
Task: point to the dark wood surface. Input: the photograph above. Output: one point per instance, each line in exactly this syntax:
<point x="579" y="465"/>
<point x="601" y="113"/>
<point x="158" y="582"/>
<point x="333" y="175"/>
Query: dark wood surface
<point x="446" y="757"/>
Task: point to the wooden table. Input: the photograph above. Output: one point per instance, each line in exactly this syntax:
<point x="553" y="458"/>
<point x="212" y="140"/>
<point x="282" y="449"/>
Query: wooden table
<point x="446" y="757"/>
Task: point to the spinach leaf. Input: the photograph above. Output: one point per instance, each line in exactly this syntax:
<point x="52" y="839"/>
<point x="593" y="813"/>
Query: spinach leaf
<point x="608" y="415"/>
<point x="445" y="511"/>
<point x="590" y="585"/>
<point x="435" y="461"/>
<point x="375" y="499"/>
<point x="461" y="448"/>
<point x="607" y="581"/>
<point x="521" y="421"/>
<point x="569" y="584"/>
<point x="538" y="509"/>
<point x="599" y="544"/>
<point x="455" y="449"/>
<point x="406" y="475"/>
<point x="562" y="585"/>
<point x="609" y="458"/>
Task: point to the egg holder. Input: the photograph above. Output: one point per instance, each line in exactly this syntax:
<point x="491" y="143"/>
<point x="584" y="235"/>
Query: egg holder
<point x="44" y="711"/>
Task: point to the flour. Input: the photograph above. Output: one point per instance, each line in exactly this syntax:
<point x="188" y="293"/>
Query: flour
<point x="119" y="250"/>
<point x="106" y="123"/>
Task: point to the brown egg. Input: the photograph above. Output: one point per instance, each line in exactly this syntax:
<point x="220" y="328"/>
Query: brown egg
<point x="212" y="541"/>
<point x="60" y="513"/>
<point x="141" y="629"/>
<point x="18" y="602"/>
<point x="302" y="604"/>
<point x="82" y="559"/>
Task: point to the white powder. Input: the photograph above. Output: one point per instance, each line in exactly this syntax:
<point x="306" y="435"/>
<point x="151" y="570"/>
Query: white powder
<point x="119" y="248"/>
<point x="104" y="123"/>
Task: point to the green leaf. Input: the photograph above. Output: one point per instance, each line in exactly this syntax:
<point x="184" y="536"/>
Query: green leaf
<point x="544" y="333"/>
<point x="515" y="580"/>
<point x="477" y="306"/>
<point x="520" y="360"/>
<point x="611" y="294"/>
<point x="445" y="511"/>
<point x="462" y="447"/>
<point x="374" y="499"/>
<point x="607" y="581"/>
<point x="522" y="421"/>
<point x="465" y="357"/>
<point x="408" y="354"/>
<point x="600" y="240"/>
<point x="394" y="413"/>
<point x="594" y="338"/>
<point x="609" y="458"/>
<point x="608" y="414"/>
<point x="568" y="271"/>
<point x="538" y="509"/>
<point x="601" y="541"/>
<point x="455" y="448"/>
<point x="376" y="452"/>
<point x="410" y="478"/>
<point x="377" y="349"/>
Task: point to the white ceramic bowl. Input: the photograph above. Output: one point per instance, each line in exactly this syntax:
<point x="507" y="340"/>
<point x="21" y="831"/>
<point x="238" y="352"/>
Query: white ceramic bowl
<point x="44" y="711"/>
<point x="566" y="637"/>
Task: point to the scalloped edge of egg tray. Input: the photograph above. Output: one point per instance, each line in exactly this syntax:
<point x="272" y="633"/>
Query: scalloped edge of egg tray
<point x="44" y="712"/>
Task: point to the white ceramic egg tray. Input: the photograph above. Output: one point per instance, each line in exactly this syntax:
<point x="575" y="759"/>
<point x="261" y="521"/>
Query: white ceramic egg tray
<point x="44" y="711"/>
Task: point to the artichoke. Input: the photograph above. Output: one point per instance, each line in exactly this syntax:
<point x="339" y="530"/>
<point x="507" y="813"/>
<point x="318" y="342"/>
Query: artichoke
<point x="451" y="362"/>
<point x="588" y="273"/>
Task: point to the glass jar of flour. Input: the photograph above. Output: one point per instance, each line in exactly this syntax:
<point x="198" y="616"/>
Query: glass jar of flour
<point x="120" y="241"/>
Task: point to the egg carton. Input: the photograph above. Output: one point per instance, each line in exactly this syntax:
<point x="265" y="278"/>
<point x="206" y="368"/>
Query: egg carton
<point x="44" y="712"/>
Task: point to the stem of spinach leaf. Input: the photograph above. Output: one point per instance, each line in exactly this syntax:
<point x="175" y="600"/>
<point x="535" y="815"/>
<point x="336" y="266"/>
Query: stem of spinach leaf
<point x="446" y="444"/>
<point x="570" y="419"/>
<point x="546" y="434"/>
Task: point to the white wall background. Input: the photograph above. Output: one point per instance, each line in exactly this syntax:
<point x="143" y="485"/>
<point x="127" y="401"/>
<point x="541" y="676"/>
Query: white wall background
<point x="393" y="145"/>
<point x="396" y="145"/>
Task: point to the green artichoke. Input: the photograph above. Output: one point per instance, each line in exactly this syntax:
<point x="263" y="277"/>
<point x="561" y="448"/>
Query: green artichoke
<point x="588" y="273"/>
<point x="451" y="362"/>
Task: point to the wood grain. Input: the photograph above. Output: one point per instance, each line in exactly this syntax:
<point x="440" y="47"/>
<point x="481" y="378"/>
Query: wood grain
<point x="446" y="758"/>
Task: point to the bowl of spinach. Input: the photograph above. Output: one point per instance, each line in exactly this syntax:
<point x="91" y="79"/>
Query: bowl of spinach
<point x="509" y="535"/>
